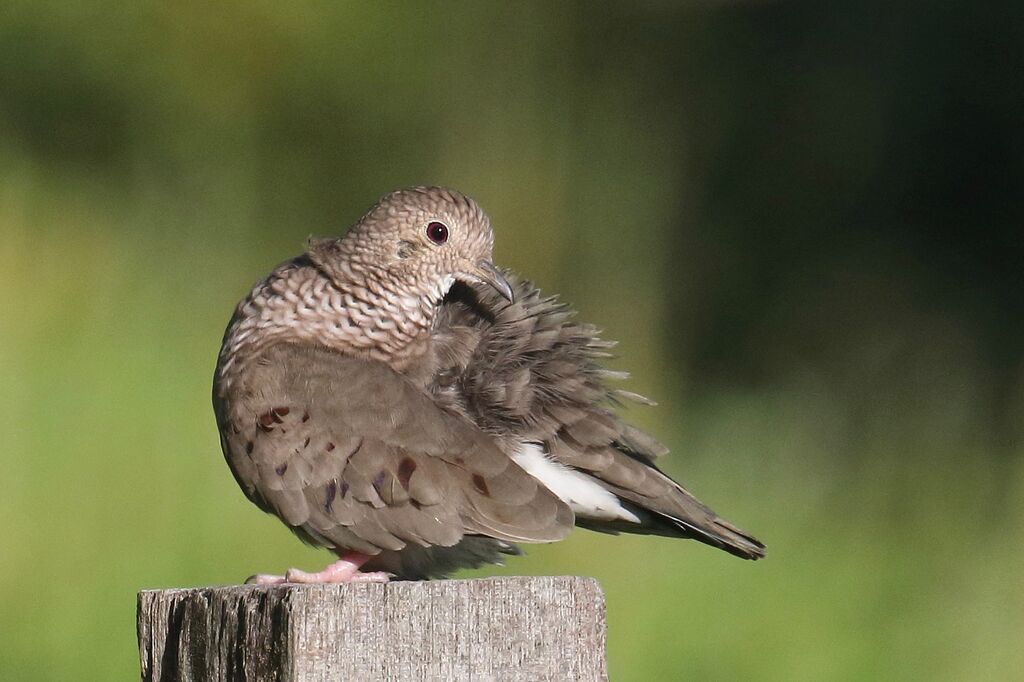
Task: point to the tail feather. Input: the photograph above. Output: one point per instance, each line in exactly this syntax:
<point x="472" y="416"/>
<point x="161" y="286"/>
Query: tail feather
<point x="713" y="531"/>
<point x="725" y="536"/>
<point x="666" y="508"/>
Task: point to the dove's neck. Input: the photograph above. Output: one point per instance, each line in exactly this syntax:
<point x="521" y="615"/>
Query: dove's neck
<point x="388" y="320"/>
<point x="365" y="317"/>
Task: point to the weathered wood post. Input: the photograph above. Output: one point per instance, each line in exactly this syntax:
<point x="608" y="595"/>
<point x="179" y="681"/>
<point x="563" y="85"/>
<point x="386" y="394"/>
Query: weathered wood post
<point x="519" y="628"/>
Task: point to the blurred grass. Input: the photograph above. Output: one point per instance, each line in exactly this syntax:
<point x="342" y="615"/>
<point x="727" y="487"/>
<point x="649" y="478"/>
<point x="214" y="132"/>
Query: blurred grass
<point x="155" y="161"/>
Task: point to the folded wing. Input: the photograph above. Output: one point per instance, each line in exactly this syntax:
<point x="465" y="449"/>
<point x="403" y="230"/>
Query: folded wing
<point x="352" y="456"/>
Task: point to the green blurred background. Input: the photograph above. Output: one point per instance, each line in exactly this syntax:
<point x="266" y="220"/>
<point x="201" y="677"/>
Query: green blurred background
<point x="802" y="220"/>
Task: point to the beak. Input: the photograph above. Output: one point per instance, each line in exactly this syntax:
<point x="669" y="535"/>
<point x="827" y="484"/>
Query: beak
<point x="487" y="273"/>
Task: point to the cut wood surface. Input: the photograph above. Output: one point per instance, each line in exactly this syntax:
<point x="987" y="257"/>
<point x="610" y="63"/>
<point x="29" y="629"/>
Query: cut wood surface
<point x="517" y="628"/>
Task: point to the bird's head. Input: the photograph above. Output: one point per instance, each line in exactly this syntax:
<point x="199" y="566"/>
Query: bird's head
<point x="416" y="242"/>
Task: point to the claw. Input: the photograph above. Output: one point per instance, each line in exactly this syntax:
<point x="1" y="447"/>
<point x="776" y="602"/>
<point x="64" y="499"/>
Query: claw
<point x="264" y="579"/>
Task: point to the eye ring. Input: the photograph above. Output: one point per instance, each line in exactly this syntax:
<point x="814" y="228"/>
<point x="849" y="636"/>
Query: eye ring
<point x="437" y="232"/>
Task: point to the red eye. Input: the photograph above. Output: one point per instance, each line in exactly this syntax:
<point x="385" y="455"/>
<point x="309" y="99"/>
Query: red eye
<point x="437" y="232"/>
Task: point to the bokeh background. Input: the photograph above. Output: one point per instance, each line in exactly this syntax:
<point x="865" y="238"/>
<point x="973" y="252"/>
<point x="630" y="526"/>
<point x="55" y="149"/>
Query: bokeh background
<point x="802" y="220"/>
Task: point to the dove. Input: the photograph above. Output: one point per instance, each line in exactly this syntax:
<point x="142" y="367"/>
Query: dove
<point x="394" y="397"/>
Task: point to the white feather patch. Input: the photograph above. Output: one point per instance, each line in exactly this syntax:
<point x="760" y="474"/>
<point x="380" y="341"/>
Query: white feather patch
<point x="583" y="494"/>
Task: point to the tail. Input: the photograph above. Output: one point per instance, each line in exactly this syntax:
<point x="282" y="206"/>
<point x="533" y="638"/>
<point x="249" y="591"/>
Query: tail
<point x="681" y="515"/>
<point x="663" y="507"/>
<point x="737" y="542"/>
<point x="715" y="531"/>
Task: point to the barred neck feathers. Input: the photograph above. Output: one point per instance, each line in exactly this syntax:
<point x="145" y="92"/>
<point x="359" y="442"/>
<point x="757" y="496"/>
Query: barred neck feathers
<point x="373" y="292"/>
<point x="359" y="313"/>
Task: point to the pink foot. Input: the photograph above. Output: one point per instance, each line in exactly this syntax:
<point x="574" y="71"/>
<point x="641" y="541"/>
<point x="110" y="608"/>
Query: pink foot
<point x="345" y="570"/>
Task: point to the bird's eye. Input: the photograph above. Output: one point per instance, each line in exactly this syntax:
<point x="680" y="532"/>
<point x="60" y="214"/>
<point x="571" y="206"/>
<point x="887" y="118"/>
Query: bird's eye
<point x="437" y="232"/>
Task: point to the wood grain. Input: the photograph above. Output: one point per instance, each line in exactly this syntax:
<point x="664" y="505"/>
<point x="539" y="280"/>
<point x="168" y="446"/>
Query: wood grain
<point x="518" y="628"/>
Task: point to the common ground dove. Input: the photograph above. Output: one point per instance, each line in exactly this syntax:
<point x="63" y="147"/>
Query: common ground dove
<point x="394" y="397"/>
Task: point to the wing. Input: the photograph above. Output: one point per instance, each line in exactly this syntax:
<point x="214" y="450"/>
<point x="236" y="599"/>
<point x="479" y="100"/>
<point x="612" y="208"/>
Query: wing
<point x="350" y="455"/>
<point x="530" y="371"/>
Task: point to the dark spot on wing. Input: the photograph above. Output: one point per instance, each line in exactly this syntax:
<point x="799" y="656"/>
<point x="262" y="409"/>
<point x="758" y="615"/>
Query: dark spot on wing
<point x="344" y="489"/>
<point x="481" y="485"/>
<point x="330" y="447"/>
<point x="329" y="492"/>
<point x="405" y="470"/>
<point x="281" y="468"/>
<point x="266" y="421"/>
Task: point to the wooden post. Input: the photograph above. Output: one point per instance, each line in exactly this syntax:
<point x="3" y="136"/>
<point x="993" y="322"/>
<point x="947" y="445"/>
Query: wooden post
<point x="543" y="628"/>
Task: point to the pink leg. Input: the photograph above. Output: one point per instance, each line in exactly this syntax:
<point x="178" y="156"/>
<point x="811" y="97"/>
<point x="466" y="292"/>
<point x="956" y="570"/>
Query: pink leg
<point x="345" y="570"/>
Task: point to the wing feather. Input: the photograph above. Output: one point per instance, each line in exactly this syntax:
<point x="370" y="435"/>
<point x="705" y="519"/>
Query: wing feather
<point x="353" y="456"/>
